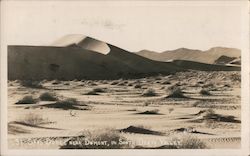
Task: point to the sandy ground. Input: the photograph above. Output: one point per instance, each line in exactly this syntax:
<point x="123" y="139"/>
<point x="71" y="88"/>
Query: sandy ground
<point x="121" y="105"/>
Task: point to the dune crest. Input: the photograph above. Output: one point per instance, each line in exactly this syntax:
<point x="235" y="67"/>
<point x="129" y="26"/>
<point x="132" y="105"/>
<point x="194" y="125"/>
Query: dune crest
<point x="84" y="42"/>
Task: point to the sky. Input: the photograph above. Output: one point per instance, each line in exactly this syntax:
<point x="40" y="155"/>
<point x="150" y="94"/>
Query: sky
<point x="134" y="26"/>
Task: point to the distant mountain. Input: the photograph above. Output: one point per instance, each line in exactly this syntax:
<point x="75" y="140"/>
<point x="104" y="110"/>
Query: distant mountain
<point x="81" y="57"/>
<point x="209" y="56"/>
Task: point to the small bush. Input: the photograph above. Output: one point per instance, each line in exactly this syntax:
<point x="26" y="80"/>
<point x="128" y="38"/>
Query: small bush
<point x="27" y="100"/>
<point x="205" y="92"/>
<point x="149" y="92"/>
<point x="108" y="135"/>
<point x="138" y="86"/>
<point x="34" y="120"/>
<point x="170" y="110"/>
<point x="47" y="96"/>
<point x="31" y="84"/>
<point x="114" y="83"/>
<point x="151" y="112"/>
<point x="99" y="90"/>
<point x="70" y="103"/>
<point x="95" y="91"/>
<point x="91" y="93"/>
<point x="56" y="82"/>
<point x="166" y="82"/>
<point x="130" y="84"/>
<point x="192" y="143"/>
<point x="176" y="93"/>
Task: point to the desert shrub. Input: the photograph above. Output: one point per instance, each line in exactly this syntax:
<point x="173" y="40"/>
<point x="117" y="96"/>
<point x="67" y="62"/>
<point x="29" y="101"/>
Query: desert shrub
<point x="96" y="91"/>
<point x="114" y="83"/>
<point x="210" y="111"/>
<point x="149" y="92"/>
<point x="138" y="86"/>
<point x="158" y="78"/>
<point x="227" y="85"/>
<point x="208" y="85"/>
<point x="176" y="93"/>
<point x="147" y="103"/>
<point x="55" y="82"/>
<point x="170" y="110"/>
<point x="153" y="111"/>
<point x="212" y="116"/>
<point x="130" y="84"/>
<point x="166" y="82"/>
<point x="92" y="84"/>
<point x="99" y="90"/>
<point x="205" y="92"/>
<point x="235" y="77"/>
<point x="108" y="135"/>
<point x="34" y="120"/>
<point x="31" y="84"/>
<point x="121" y="84"/>
<point x="66" y="83"/>
<point x="48" y="96"/>
<point x="27" y="100"/>
<point x="189" y="142"/>
<point x="70" y="103"/>
<point x="91" y="93"/>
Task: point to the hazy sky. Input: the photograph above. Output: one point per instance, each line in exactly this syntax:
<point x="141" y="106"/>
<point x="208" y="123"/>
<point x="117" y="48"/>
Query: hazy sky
<point x="134" y="26"/>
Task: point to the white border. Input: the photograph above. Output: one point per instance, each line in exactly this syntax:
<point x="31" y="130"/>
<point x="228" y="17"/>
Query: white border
<point x="229" y="152"/>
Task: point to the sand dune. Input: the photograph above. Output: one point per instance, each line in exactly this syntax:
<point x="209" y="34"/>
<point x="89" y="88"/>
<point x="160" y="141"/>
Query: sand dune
<point x="36" y="62"/>
<point x="205" y="67"/>
<point x="82" y="57"/>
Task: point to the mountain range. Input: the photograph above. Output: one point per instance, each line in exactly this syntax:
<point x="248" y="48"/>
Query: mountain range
<point x="209" y="56"/>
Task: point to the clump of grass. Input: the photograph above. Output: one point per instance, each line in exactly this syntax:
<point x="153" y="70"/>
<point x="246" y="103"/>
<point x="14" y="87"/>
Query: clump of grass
<point x="121" y="84"/>
<point x="114" y="83"/>
<point x="208" y="85"/>
<point x="158" y="78"/>
<point x="27" y="100"/>
<point x="192" y="143"/>
<point x="138" y="86"/>
<point x="55" y="82"/>
<point x="205" y="92"/>
<point x="92" y="93"/>
<point x="96" y="91"/>
<point x="34" y="120"/>
<point x="92" y="84"/>
<point x="99" y="90"/>
<point x="170" y="110"/>
<point x="70" y="103"/>
<point x="48" y="96"/>
<point x="176" y="93"/>
<point x="227" y="85"/>
<point x="67" y="83"/>
<point x="108" y="135"/>
<point x="149" y="92"/>
<point x="150" y="112"/>
<point x="31" y="84"/>
<point x="130" y="84"/>
<point x="166" y="82"/>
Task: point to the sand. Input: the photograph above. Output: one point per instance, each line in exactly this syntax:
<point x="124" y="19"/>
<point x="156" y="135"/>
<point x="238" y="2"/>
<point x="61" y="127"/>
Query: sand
<point x="120" y="105"/>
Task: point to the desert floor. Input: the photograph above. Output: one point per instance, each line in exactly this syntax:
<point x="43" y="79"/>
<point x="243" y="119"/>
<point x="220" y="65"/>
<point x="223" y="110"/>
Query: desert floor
<point x="138" y="109"/>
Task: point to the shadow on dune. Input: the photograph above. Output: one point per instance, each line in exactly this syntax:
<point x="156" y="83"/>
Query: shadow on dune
<point x="14" y="130"/>
<point x="35" y="126"/>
